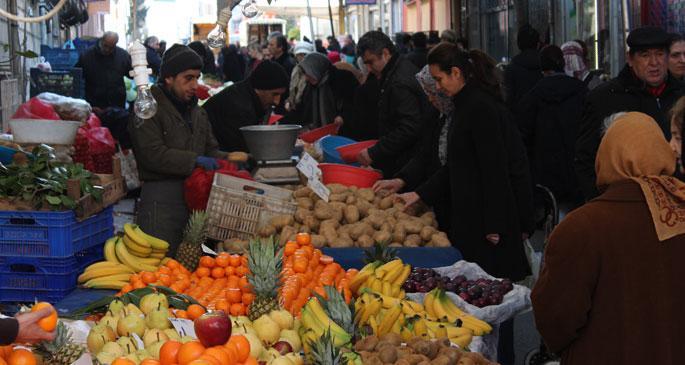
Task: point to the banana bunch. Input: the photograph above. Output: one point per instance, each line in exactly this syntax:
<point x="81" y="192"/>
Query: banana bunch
<point x="315" y="322"/>
<point x="440" y="307"/>
<point x="386" y="278"/>
<point x="141" y="244"/>
<point x="106" y="275"/>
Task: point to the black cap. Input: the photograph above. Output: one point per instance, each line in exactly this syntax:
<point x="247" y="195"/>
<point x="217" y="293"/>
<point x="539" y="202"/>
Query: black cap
<point x="269" y="75"/>
<point x="177" y="59"/>
<point x="645" y="38"/>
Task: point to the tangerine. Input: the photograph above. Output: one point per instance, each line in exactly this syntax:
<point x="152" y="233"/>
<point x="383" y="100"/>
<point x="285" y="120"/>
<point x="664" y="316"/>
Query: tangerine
<point x="248" y="298"/>
<point x="202" y="272"/>
<point x="241" y="270"/>
<point x="195" y="311"/>
<point x="49" y="322"/>
<point x="21" y="357"/>
<point x="251" y="361"/>
<point x="242" y="345"/>
<point x="220" y="354"/>
<point x="210" y="359"/>
<point x="303" y="239"/>
<point x="2" y="361"/>
<point x="6" y="351"/>
<point x="122" y="361"/>
<point x="200" y="362"/>
<point x="234" y="295"/>
<point x="207" y="262"/>
<point x="149" y="362"/>
<point x="181" y="314"/>
<point x="234" y="260"/>
<point x="218" y="272"/>
<point x="168" y="353"/>
<point x="148" y="277"/>
<point x="237" y="309"/>
<point x="222" y="261"/>
<point x="173" y="264"/>
<point x="190" y="351"/>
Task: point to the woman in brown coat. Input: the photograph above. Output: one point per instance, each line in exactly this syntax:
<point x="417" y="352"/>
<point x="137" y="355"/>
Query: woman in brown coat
<point x="611" y="289"/>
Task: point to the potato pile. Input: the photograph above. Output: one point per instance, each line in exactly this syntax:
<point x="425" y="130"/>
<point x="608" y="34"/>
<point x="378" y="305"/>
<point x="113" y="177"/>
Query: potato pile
<point x="356" y="217"/>
<point x="389" y="350"/>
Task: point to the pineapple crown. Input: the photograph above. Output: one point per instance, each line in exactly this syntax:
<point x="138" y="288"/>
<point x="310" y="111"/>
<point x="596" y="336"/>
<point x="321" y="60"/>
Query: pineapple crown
<point x="196" y="229"/>
<point x="62" y="337"/>
<point x="324" y="352"/>
<point x="336" y="308"/>
<point x="381" y="252"/>
<point x="265" y="261"/>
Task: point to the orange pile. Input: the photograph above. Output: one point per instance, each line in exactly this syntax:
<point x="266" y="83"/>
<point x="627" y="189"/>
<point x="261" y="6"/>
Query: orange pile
<point x="11" y="356"/>
<point x="235" y="352"/>
<point x="307" y="270"/>
<point x="172" y="275"/>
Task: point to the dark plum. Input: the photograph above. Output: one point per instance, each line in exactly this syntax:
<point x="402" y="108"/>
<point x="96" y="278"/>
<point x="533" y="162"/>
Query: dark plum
<point x="465" y="296"/>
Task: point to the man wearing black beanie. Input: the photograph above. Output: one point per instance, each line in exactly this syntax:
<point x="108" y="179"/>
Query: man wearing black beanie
<point x="171" y="144"/>
<point x="245" y="103"/>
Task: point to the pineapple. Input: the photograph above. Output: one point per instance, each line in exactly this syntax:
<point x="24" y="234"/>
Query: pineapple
<point x="323" y="352"/>
<point x="60" y="351"/>
<point x="336" y="309"/>
<point x="190" y="250"/>
<point x="264" y="260"/>
<point x="381" y="253"/>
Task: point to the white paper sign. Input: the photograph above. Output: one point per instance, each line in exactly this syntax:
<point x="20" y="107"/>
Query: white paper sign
<point x="139" y="341"/>
<point x="184" y="327"/>
<point x="208" y="250"/>
<point x="319" y="189"/>
<point x="309" y="167"/>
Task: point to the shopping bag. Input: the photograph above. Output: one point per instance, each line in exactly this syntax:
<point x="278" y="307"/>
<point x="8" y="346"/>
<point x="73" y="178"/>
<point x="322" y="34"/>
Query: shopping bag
<point x="129" y="168"/>
<point x="198" y="186"/>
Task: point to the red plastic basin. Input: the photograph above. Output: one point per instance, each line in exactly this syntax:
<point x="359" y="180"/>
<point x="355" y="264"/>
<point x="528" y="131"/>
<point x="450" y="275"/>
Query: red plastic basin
<point x="315" y="134"/>
<point x="333" y="173"/>
<point x="349" y="152"/>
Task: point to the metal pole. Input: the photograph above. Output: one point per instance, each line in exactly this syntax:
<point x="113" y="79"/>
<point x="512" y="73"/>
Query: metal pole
<point x="381" y="9"/>
<point x="135" y="21"/>
<point x="330" y="17"/>
<point x="311" y="23"/>
<point x="341" y="17"/>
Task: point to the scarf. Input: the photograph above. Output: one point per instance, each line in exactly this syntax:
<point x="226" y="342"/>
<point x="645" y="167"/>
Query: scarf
<point x="574" y="61"/>
<point x="442" y="103"/>
<point x="634" y="148"/>
<point x="322" y="101"/>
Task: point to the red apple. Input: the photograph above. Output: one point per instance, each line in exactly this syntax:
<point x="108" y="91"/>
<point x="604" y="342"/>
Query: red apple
<point x="213" y="328"/>
<point x="282" y="347"/>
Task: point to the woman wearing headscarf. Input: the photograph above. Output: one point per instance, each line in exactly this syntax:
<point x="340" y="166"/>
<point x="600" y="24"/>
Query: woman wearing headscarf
<point x="576" y="61"/>
<point x="327" y="96"/>
<point x="610" y="290"/>
<point x="433" y="152"/>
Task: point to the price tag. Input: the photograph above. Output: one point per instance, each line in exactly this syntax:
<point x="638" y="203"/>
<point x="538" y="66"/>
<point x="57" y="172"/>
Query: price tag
<point x="208" y="250"/>
<point x="309" y="167"/>
<point x="319" y="189"/>
<point x="139" y="341"/>
<point x="184" y="327"/>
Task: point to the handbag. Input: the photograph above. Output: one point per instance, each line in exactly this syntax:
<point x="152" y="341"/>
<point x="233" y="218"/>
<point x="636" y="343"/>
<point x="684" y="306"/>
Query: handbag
<point x="129" y="168"/>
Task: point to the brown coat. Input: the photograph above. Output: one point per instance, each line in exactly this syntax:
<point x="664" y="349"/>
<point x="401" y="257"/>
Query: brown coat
<point x="609" y="292"/>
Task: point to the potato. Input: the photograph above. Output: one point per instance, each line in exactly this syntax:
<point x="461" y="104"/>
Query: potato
<point x="329" y="233"/>
<point x="266" y="231"/>
<point x="386" y="202"/>
<point x="351" y="199"/>
<point x="386" y="226"/>
<point x="286" y="233"/>
<point x="281" y="221"/>
<point x="329" y="223"/>
<point x="364" y="207"/>
<point x="365" y="241"/>
<point x="383" y="193"/>
<point x="382" y="237"/>
<point x="337" y="197"/>
<point x="303" y="228"/>
<point x="413" y="225"/>
<point x="401" y="216"/>
<point x="318" y="240"/>
<point x="305" y="203"/>
<point x="440" y="240"/>
<point x="413" y="240"/>
<point x="342" y="242"/>
<point x="302" y="192"/>
<point x="442" y="360"/>
<point x="311" y="222"/>
<point x="351" y="214"/>
<point x="376" y="201"/>
<point x="338" y="206"/>
<point x="388" y="354"/>
<point x="395" y="244"/>
<point x="301" y="214"/>
<point x="337" y="188"/>
<point x="323" y="210"/>
<point x="426" y="233"/>
<point x="399" y="234"/>
<point x="366" y="194"/>
<point x="452" y="354"/>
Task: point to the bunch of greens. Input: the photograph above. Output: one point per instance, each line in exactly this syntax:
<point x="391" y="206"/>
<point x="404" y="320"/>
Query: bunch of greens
<point x="42" y="181"/>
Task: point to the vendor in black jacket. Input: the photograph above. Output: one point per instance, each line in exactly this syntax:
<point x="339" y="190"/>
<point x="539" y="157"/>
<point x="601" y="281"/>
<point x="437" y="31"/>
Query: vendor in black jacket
<point x="245" y="103"/>
<point x="643" y="85"/>
<point x="24" y="328"/>
<point x="400" y="107"/>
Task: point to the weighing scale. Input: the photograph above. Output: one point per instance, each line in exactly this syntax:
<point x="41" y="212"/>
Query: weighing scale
<point x="277" y="172"/>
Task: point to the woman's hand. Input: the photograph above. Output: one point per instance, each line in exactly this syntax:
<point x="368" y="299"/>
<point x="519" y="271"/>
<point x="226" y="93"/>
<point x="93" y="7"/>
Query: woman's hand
<point x="363" y="157"/>
<point x="409" y="199"/>
<point x="392" y="185"/>
<point x="493" y="238"/>
<point x="338" y="120"/>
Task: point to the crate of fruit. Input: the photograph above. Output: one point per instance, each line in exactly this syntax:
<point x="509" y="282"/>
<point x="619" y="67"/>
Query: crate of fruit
<point x="52" y="234"/>
<point x="43" y="278"/>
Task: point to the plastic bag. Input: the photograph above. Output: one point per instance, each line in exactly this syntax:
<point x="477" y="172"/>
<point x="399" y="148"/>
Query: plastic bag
<point x="199" y="184"/>
<point x="67" y="108"/>
<point x="36" y="109"/>
<point x="101" y="147"/>
<point x="514" y="302"/>
<point x="81" y="152"/>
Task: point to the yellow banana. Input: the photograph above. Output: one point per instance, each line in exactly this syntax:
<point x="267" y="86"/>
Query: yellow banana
<point x="387" y="267"/>
<point x="478" y="326"/>
<point x="105" y="283"/>
<point x="406" y="271"/>
<point x="440" y="312"/>
<point x="114" y="277"/>
<point x="406" y="334"/>
<point x="417" y="307"/>
<point x="149" y="261"/>
<point x="135" y="248"/>
<point x="374" y="325"/>
<point x="156" y="243"/>
<point x="130" y="231"/>
<point x="453" y="331"/>
<point x="396" y="327"/>
<point x="103" y="264"/>
<point x="389" y="320"/>
<point x="104" y="272"/>
<point x="408" y="310"/>
<point x="164" y="260"/>
<point x="462" y="341"/>
<point x="318" y="311"/>
<point x="158" y="256"/>
<point x="395" y="290"/>
<point x="129" y="260"/>
<point x="377" y="285"/>
<point x="451" y="308"/>
<point x="386" y="288"/>
<point x="110" y="255"/>
<point x="392" y="274"/>
<point x="428" y="301"/>
<point x="371" y="309"/>
<point x="420" y="328"/>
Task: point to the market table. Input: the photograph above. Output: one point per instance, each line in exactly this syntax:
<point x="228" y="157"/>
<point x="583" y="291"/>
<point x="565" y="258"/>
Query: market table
<point x="428" y="257"/>
<point x="80" y="298"/>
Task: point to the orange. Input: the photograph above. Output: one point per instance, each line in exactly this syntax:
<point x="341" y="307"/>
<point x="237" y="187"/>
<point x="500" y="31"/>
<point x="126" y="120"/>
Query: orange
<point x="244" y="284"/>
<point x="200" y="362"/>
<point x="231" y="350"/>
<point x="234" y="295"/>
<point x="148" y="277"/>
<point x="251" y="361"/>
<point x="127" y="288"/>
<point x="220" y="354"/>
<point x="218" y="272"/>
<point x="2" y="361"/>
<point x="222" y="305"/>
<point x="234" y="260"/>
<point x="247" y="298"/>
<point x="190" y="351"/>
<point x="149" y="362"/>
<point x="165" y="279"/>
<point x="222" y="261"/>
<point x="173" y="264"/>
<point x="139" y="285"/>
<point x="207" y="262"/>
<point x="303" y="239"/>
<point x="168" y="353"/>
<point x="21" y="357"/>
<point x="6" y="351"/>
<point x="210" y="359"/>
<point x="48" y="323"/>
<point x="164" y="270"/>
<point x="242" y="345"/>
<point x="122" y="361"/>
<point x="181" y="314"/>
<point x="201" y="272"/>
<point x="237" y="309"/>
<point x="290" y="248"/>
<point x="195" y="311"/>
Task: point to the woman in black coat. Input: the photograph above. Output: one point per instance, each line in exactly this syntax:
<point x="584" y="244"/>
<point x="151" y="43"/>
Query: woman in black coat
<point x="486" y="176"/>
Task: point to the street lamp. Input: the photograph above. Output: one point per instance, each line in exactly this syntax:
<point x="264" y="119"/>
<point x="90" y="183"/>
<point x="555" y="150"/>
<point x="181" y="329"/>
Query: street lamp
<point x="217" y="37"/>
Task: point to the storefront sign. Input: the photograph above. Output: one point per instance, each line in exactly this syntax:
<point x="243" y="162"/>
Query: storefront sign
<point x="360" y="2"/>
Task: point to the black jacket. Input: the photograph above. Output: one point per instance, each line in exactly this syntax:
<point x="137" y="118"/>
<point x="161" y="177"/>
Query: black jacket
<point x="234" y="107"/>
<point x="154" y="61"/>
<point x="104" y="76"/>
<point x="364" y="122"/>
<point x="623" y="93"/>
<point x="549" y="118"/>
<point x="401" y="108"/>
<point x="521" y="75"/>
<point x="487" y="181"/>
<point x="418" y="56"/>
<point x="287" y="62"/>
<point x="232" y="64"/>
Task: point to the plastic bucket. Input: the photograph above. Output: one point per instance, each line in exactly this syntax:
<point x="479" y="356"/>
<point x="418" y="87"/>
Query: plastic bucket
<point x="349" y="152"/>
<point x="348" y="175"/>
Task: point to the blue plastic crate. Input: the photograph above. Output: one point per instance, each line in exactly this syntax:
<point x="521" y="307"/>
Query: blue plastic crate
<point x="6" y="155"/>
<point x="25" y="279"/>
<point x="63" y="82"/>
<point x="60" y="59"/>
<point x="328" y="146"/>
<point x="52" y="234"/>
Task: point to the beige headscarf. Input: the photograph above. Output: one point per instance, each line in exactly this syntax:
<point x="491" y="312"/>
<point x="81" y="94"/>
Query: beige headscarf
<point x="634" y="148"/>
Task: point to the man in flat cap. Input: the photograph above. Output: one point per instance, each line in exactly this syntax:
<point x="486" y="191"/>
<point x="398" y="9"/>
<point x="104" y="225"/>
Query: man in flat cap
<point x="644" y="85"/>
<point x="170" y="145"/>
<point x="246" y="103"/>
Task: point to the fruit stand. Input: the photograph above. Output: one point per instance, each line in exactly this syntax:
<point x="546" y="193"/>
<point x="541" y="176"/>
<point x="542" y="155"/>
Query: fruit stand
<point x="330" y="273"/>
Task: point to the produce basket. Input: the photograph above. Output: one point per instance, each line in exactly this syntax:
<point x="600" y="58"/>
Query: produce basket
<point x="25" y="279"/>
<point x="114" y="189"/>
<point x="238" y="207"/>
<point x="51" y="234"/>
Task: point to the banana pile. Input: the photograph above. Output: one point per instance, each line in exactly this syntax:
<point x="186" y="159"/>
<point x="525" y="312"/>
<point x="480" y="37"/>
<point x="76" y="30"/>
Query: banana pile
<point x="386" y="279"/>
<point x="315" y="322"/>
<point x="437" y="318"/>
<point x="136" y="251"/>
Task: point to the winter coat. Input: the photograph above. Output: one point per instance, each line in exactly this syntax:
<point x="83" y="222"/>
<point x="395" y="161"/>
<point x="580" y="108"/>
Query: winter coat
<point x="287" y="62"/>
<point x="166" y="146"/>
<point x="609" y="292"/>
<point x="623" y="93"/>
<point x="401" y="107"/>
<point x="154" y="61"/>
<point x="364" y="122"/>
<point x="234" y="107"/>
<point x="104" y="76"/>
<point x="488" y="184"/>
<point x="548" y="118"/>
<point x="418" y="56"/>
<point x="521" y="75"/>
<point x="233" y="64"/>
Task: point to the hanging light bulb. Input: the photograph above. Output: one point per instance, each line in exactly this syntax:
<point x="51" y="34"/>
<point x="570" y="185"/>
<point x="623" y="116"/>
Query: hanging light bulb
<point x="217" y="37"/>
<point x="250" y="9"/>
<point x="145" y="106"/>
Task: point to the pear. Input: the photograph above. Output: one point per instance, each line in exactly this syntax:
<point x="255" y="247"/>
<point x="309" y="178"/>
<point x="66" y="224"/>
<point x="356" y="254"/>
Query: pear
<point x="110" y="320"/>
<point x="132" y="309"/>
<point x="116" y="306"/>
<point x="186" y="339"/>
<point x="133" y="357"/>
<point x="267" y="329"/>
<point x="127" y="344"/>
<point x="131" y="324"/>
<point x="154" y="348"/>
<point x="242" y="320"/>
<point x="295" y="358"/>
<point x="158" y="318"/>
<point x="153" y="335"/>
<point x="153" y="301"/>
<point x="106" y="357"/>
<point x="283" y="318"/>
<point x="143" y="354"/>
<point x="281" y="361"/>
<point x="297" y="324"/>
<point x="113" y="348"/>
<point x="291" y="337"/>
<point x="98" y="337"/>
<point x="172" y="334"/>
<point x="270" y="355"/>
<point x="243" y="330"/>
<point x="256" y="346"/>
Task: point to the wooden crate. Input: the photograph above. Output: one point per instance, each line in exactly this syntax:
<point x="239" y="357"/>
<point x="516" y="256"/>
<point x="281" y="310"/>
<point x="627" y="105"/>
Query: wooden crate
<point x="114" y="188"/>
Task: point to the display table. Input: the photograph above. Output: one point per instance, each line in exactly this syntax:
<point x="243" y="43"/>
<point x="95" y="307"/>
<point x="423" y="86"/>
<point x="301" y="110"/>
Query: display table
<point x="415" y="256"/>
<point x="80" y="298"/>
